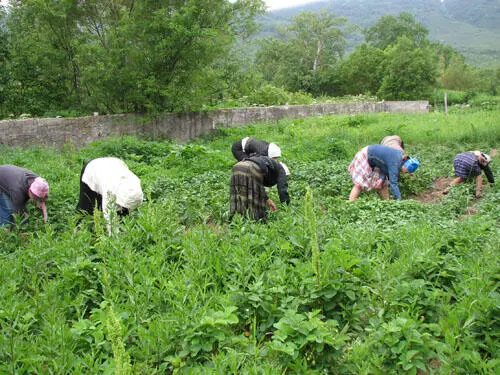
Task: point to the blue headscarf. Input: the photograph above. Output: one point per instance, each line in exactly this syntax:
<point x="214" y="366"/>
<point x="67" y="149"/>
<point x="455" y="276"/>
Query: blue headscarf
<point x="411" y="164"/>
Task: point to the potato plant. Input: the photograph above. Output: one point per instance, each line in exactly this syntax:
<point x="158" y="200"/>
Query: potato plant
<point x="326" y="286"/>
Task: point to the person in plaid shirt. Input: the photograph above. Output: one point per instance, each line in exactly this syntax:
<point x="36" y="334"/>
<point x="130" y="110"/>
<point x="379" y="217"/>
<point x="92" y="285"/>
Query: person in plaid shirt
<point x="377" y="167"/>
<point x="472" y="164"/>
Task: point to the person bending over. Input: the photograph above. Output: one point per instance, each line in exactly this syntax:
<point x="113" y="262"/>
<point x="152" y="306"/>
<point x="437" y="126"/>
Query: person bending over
<point x="248" y="146"/>
<point x="108" y="184"/>
<point x="471" y="164"/>
<point x="249" y="178"/>
<point x="376" y="167"/>
<point x="17" y="186"/>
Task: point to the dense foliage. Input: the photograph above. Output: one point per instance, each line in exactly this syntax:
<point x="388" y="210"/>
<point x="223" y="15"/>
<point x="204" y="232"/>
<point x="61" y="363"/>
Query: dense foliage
<point x="70" y="58"/>
<point x="303" y="61"/>
<point x="119" y="56"/>
<point x="472" y="27"/>
<point x="396" y="62"/>
<point x="326" y="286"/>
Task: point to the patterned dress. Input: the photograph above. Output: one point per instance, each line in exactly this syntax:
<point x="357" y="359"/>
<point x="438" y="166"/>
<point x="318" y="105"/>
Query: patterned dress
<point x="249" y="178"/>
<point x="362" y="173"/>
<point x="247" y="193"/>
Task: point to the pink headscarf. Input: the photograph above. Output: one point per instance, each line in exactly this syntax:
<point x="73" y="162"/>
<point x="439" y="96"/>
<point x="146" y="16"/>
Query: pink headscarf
<point x="40" y="188"/>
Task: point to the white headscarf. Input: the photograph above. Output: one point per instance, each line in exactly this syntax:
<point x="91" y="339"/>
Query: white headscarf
<point x="287" y="171"/>
<point x="486" y="157"/>
<point x="273" y="151"/>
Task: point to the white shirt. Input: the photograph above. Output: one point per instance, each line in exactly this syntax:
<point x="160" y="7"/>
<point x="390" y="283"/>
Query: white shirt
<point x="111" y="178"/>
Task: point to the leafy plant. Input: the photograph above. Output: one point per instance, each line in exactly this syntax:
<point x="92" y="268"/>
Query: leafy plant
<point x="305" y="334"/>
<point x="404" y="286"/>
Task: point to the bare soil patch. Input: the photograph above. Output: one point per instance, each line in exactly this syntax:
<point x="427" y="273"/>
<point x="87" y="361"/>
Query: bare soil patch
<point x="435" y="194"/>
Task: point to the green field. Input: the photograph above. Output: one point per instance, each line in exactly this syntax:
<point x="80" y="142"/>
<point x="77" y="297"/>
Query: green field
<point x="326" y="286"/>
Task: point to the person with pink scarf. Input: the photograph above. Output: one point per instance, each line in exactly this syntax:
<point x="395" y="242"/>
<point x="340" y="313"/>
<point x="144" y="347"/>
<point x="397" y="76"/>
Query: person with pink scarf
<point x="17" y="186"/>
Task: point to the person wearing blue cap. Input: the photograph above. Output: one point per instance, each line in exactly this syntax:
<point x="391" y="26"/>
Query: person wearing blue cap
<point x="373" y="164"/>
<point x="472" y="164"/>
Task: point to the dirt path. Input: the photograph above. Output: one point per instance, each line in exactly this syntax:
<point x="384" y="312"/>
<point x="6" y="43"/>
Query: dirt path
<point x="435" y="194"/>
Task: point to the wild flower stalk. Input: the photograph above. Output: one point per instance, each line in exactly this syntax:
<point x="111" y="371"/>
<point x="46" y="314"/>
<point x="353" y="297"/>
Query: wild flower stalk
<point x="122" y="358"/>
<point x="97" y="223"/>
<point x="310" y="217"/>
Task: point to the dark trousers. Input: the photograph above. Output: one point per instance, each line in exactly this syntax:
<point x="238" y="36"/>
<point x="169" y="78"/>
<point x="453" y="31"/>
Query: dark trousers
<point x="88" y="198"/>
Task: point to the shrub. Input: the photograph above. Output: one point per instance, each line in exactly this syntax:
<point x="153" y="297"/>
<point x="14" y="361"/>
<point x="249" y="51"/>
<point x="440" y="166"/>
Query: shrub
<point x="269" y="95"/>
<point x="453" y="97"/>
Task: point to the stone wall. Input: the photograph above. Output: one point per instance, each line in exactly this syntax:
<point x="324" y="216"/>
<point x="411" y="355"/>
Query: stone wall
<point x="177" y="126"/>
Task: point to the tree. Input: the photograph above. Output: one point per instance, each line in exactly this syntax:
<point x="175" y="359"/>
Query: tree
<point x="122" y="55"/>
<point x="278" y="63"/>
<point x="43" y="72"/>
<point x="446" y="55"/>
<point x="389" y="28"/>
<point x="410" y="72"/>
<point x="362" y="71"/>
<point x="4" y="57"/>
<point x="319" y="38"/>
<point x="306" y="57"/>
<point x="458" y="76"/>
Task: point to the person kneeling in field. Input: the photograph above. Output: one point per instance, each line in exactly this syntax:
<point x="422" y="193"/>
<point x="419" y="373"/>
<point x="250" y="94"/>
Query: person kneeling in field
<point x="248" y="146"/>
<point x="373" y="164"/>
<point x="471" y="164"/>
<point x="108" y="184"/>
<point x="249" y="178"/>
<point x="17" y="186"/>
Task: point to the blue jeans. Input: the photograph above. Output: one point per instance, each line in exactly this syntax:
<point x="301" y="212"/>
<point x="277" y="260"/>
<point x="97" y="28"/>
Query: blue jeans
<point x="5" y="210"/>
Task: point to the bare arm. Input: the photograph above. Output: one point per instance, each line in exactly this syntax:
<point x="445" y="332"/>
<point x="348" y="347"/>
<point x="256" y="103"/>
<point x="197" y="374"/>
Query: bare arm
<point x="454" y="182"/>
<point x="271" y="205"/>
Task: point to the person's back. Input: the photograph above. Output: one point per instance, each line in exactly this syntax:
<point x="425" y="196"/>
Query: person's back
<point x="385" y="157"/>
<point x="15" y="181"/>
<point x="17" y="186"/>
<point x="393" y="141"/>
<point x="274" y="173"/>
<point x="389" y="160"/>
<point x="249" y="146"/>
<point x="105" y="180"/>
<point x="472" y="164"/>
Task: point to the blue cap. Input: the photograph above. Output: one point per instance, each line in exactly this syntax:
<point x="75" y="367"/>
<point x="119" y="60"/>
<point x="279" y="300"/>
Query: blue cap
<point x="411" y="164"/>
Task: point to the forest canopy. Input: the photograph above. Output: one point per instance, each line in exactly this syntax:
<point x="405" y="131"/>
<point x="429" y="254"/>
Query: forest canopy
<point x="71" y="58"/>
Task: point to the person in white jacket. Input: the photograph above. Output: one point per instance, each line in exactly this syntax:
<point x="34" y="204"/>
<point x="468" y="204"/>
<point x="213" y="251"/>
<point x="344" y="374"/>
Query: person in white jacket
<point x="109" y="185"/>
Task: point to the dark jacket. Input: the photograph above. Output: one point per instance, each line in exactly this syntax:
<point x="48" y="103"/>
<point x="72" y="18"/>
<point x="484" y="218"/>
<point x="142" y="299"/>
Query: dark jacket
<point x="273" y="174"/>
<point x="253" y="147"/>
<point x="487" y="171"/>
<point x="389" y="160"/>
<point x="15" y="182"/>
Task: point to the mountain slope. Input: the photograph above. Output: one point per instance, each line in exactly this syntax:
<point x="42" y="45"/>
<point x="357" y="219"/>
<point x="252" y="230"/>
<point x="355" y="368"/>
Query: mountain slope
<point x="470" y="26"/>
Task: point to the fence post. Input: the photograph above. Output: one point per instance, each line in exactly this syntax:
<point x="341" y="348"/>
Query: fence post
<point x="445" y="103"/>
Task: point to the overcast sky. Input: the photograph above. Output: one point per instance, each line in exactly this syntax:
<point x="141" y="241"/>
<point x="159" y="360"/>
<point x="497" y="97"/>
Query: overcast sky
<point x="278" y="4"/>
